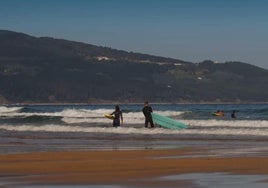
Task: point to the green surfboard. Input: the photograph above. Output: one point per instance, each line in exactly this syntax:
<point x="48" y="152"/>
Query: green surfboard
<point x="167" y="122"/>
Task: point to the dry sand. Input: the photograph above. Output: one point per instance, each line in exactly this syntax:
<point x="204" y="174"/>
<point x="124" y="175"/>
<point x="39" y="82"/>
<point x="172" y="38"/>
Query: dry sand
<point x="110" y="167"/>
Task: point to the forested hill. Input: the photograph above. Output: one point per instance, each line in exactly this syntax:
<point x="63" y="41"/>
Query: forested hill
<point x="42" y="70"/>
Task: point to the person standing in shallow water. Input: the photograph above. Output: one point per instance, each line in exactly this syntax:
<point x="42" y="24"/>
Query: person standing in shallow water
<point x="233" y="114"/>
<point x="147" y="110"/>
<point x="118" y="115"/>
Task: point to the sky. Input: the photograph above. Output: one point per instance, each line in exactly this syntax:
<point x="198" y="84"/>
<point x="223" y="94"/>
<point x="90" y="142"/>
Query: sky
<point x="190" y="30"/>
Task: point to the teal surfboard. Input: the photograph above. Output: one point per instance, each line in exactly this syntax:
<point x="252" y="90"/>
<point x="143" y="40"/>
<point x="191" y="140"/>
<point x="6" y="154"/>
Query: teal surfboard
<point x="167" y="122"/>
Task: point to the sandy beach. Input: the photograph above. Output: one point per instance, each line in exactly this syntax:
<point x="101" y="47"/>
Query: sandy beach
<point x="75" y="146"/>
<point x="119" y="167"/>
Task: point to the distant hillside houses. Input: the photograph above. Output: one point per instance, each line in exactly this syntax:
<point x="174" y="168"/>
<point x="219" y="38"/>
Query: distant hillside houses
<point x="103" y="58"/>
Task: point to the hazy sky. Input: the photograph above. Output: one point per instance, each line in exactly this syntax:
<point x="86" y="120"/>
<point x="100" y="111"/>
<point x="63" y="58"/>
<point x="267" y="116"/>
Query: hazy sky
<point x="190" y="30"/>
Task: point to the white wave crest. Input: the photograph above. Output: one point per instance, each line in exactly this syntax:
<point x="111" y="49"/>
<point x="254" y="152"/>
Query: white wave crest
<point x="6" y="110"/>
<point x="196" y="129"/>
<point x="226" y="123"/>
<point x="170" y="113"/>
<point x="62" y="128"/>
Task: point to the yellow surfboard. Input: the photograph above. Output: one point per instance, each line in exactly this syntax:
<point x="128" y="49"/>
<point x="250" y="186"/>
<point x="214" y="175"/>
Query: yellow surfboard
<point x="109" y="116"/>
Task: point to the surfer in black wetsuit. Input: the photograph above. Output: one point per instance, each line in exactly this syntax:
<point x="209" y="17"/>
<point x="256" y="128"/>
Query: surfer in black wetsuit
<point x="117" y="116"/>
<point x="233" y="114"/>
<point x="147" y="110"/>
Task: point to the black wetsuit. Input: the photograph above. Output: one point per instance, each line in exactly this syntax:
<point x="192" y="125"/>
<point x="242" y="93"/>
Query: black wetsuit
<point x="233" y="115"/>
<point x="117" y="115"/>
<point x="147" y="110"/>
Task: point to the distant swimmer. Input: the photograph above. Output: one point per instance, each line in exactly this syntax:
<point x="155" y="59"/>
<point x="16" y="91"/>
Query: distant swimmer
<point x="233" y="114"/>
<point x="218" y="113"/>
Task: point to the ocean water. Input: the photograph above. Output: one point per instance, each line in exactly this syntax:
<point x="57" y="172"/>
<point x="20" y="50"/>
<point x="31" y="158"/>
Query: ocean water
<point x="29" y="128"/>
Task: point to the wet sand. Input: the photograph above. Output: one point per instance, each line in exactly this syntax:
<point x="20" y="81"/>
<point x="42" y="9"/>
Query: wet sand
<point x="137" y="167"/>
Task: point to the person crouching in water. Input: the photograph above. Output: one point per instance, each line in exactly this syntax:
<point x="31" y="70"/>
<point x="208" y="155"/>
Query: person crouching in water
<point x="147" y="110"/>
<point x="117" y="116"/>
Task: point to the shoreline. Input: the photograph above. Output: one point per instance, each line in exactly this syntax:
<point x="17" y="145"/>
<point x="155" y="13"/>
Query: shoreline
<point x="132" y="103"/>
<point x="119" y="167"/>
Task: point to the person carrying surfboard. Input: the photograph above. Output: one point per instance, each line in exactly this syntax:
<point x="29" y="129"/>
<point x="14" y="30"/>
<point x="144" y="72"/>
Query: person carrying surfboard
<point x="118" y="115"/>
<point x="147" y="110"/>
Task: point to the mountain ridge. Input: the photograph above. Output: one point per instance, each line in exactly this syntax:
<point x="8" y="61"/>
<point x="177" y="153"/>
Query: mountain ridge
<point x="48" y="70"/>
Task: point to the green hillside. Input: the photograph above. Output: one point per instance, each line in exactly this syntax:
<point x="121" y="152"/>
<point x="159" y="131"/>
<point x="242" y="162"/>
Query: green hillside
<point x="52" y="70"/>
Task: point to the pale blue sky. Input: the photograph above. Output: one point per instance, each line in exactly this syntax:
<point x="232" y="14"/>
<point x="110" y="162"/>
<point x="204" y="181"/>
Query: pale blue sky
<point x="191" y="30"/>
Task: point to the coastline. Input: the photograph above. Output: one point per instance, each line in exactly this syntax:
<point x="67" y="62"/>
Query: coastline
<point x="130" y="103"/>
<point x="119" y="166"/>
